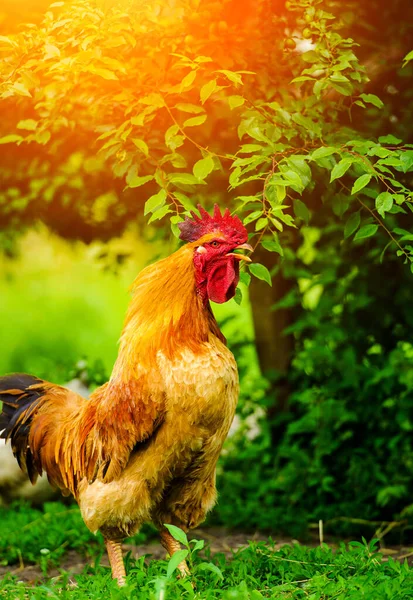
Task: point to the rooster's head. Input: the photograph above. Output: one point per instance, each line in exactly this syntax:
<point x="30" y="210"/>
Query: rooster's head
<point x="214" y="239"/>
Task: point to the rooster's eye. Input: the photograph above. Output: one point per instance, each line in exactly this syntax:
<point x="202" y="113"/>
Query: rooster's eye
<point x="215" y="244"/>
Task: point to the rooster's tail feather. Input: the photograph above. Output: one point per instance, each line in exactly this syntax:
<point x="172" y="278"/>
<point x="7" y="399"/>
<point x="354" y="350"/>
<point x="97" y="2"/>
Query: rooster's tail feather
<point x="21" y="396"/>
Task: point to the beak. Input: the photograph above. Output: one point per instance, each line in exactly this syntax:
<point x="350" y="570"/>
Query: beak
<point x="242" y="256"/>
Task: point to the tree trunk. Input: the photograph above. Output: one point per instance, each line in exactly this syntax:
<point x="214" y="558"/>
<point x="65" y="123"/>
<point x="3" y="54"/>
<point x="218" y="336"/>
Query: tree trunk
<point x="274" y="348"/>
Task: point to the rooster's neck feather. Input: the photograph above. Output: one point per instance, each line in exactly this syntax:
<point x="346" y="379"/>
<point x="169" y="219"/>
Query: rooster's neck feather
<point x="166" y="313"/>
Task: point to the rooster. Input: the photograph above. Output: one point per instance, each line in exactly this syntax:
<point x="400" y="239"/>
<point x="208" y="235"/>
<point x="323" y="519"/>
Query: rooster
<point x="144" y="446"/>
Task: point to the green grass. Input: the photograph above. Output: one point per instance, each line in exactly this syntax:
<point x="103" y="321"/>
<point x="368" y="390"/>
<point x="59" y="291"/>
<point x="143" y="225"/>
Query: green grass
<point x="352" y="572"/>
<point x="27" y="531"/>
<point x="59" y="303"/>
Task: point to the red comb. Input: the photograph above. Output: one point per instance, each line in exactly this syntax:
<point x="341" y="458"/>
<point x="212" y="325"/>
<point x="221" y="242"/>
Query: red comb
<point x="195" y="228"/>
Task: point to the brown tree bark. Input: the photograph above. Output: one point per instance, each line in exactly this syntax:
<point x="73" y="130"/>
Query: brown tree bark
<point x="274" y="348"/>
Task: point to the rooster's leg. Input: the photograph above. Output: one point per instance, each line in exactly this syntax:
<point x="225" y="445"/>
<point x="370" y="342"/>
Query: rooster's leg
<point x="114" y="550"/>
<point x="172" y="546"/>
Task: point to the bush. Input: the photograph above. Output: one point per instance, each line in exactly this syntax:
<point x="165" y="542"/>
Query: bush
<point x="343" y="451"/>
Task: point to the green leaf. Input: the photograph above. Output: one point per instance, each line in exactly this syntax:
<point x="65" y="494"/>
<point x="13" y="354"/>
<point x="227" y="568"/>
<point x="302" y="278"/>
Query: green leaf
<point x="281" y="193"/>
<point x="278" y="223"/>
<point x="235" y="101"/>
<point x="247" y="148"/>
<point x="248" y="199"/>
<point x="20" y="89"/>
<point x="187" y="81"/>
<point x="342" y="87"/>
<point x="185" y="201"/>
<point x="245" y="278"/>
<point x="310" y="56"/>
<point x="261" y="272"/>
<point x="306" y="123"/>
<point x="8" y="139"/>
<point x="234" y="177"/>
<point x="51" y="51"/>
<point x="175" y="219"/>
<point x="273" y="246"/>
<point x="261" y="223"/>
<point x="210" y="567"/>
<point x="207" y="89"/>
<point x="185" y="178"/>
<point x="190" y="108"/>
<point x="141" y="145"/>
<point x="341" y="168"/>
<point x="175" y="560"/>
<point x="252" y="216"/>
<point x="384" y="203"/>
<point x="203" y="59"/>
<point x="293" y="179"/>
<point x="352" y="224"/>
<point x="177" y="533"/>
<point x="238" y="296"/>
<point x="136" y="181"/>
<point x="372" y="99"/>
<point x="175" y="142"/>
<point x="406" y="235"/>
<point x="139" y="119"/>
<point x="319" y="86"/>
<point x="203" y="167"/>
<point x="154" y="202"/>
<point x="323" y="152"/>
<point x="42" y="137"/>
<point x="170" y="133"/>
<point x="399" y="198"/>
<point x="193" y="121"/>
<point x="159" y="214"/>
<point x="384" y="251"/>
<point x="234" y="77"/>
<point x="153" y="99"/>
<point x="199" y="544"/>
<point x="406" y="161"/>
<point x="177" y="160"/>
<point x="301" y="210"/>
<point x="366" y="231"/>
<point x="104" y="73"/>
<point x="299" y="164"/>
<point x="29" y="124"/>
<point x="389" y="139"/>
<point x="408" y="58"/>
<point x="302" y="78"/>
<point x="360" y="183"/>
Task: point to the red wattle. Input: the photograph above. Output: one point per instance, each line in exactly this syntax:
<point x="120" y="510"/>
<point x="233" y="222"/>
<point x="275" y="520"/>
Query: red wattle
<point x="222" y="279"/>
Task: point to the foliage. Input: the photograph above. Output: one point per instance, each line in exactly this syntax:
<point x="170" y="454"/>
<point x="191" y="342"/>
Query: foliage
<point x="29" y="534"/>
<point x="26" y="531"/>
<point x="258" y="571"/>
<point x="108" y="112"/>
<point x="179" y="112"/>
<point x="343" y="452"/>
<point x="59" y="304"/>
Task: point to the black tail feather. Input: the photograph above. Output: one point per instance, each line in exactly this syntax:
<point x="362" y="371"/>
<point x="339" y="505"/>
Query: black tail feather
<point x="19" y="402"/>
